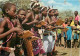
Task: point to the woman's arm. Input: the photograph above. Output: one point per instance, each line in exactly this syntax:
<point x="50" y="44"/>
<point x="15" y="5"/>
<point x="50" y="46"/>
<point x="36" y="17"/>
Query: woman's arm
<point x="2" y="35"/>
<point x="18" y="23"/>
<point x="47" y="20"/>
<point x="2" y="29"/>
<point x="30" y="16"/>
<point x="53" y="20"/>
<point x="27" y="17"/>
<point x="34" y="21"/>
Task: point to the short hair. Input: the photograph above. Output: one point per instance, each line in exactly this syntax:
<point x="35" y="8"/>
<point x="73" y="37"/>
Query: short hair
<point x="20" y="10"/>
<point x="6" y="6"/>
<point x="76" y="12"/>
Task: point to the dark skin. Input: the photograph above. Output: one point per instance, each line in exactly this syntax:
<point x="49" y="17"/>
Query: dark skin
<point x="48" y="20"/>
<point x="51" y="14"/>
<point x="29" y="11"/>
<point x="66" y="20"/>
<point x="76" y="13"/>
<point x="73" y="27"/>
<point x="44" y="14"/>
<point x="31" y="16"/>
<point x="71" y="18"/>
<point x="75" y="22"/>
<point x="11" y="13"/>
<point x="56" y="13"/>
<point x="21" y="15"/>
<point x="34" y="19"/>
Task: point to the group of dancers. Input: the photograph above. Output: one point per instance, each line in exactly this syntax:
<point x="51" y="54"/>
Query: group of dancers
<point x="44" y="25"/>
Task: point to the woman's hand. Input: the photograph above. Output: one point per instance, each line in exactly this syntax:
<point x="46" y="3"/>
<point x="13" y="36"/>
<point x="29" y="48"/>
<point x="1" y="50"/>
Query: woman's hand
<point x="35" y="21"/>
<point x="18" y="30"/>
<point x="28" y="23"/>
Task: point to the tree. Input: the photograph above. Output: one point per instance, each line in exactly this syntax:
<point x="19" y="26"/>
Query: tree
<point x="21" y="3"/>
<point x="66" y="14"/>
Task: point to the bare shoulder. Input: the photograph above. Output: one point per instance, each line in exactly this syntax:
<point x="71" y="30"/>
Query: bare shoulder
<point x="29" y="14"/>
<point x="37" y="16"/>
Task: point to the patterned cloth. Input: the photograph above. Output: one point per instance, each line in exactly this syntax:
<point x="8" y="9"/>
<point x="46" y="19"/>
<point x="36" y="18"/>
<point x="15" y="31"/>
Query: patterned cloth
<point x="37" y="44"/>
<point x="76" y="33"/>
<point x="49" y="42"/>
<point x="37" y="47"/>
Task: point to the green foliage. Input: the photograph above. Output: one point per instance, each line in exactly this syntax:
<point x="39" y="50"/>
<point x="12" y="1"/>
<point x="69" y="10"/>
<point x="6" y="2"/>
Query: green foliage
<point x="66" y="14"/>
<point x="0" y="14"/>
<point x="17" y="2"/>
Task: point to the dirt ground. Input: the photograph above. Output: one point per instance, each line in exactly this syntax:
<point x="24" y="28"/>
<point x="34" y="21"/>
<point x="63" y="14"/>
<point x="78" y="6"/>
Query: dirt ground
<point x="61" y="51"/>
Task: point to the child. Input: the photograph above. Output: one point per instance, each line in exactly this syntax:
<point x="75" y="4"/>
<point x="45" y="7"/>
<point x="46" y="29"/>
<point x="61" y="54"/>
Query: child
<point x="21" y="15"/>
<point x="69" y="35"/>
<point x="7" y="29"/>
<point x="59" y="36"/>
<point x="71" y="21"/>
<point x="77" y="17"/>
<point x="64" y="33"/>
<point x="76" y="34"/>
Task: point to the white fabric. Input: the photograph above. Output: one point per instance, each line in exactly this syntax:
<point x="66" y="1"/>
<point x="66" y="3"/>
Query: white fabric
<point x="48" y="43"/>
<point x="41" y="31"/>
<point x="12" y="54"/>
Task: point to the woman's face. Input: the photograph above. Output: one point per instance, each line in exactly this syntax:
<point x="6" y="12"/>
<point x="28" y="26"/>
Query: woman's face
<point x="44" y="12"/>
<point x="68" y="23"/>
<point x="56" y="13"/>
<point x="75" y="13"/>
<point x="36" y="10"/>
<point x="11" y="11"/>
<point x="22" y="14"/>
<point x="51" y="13"/>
